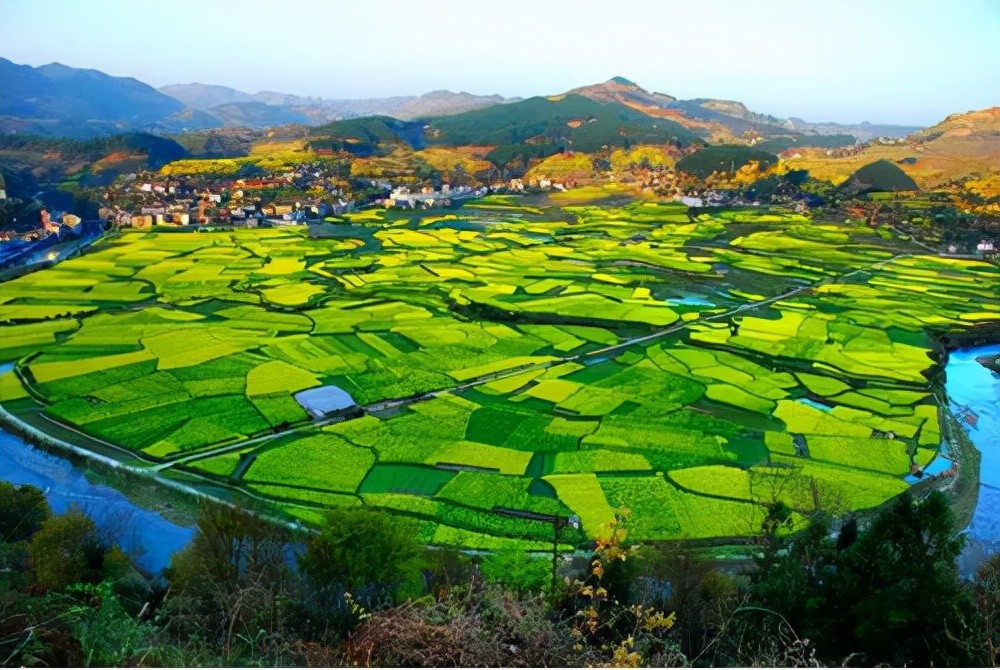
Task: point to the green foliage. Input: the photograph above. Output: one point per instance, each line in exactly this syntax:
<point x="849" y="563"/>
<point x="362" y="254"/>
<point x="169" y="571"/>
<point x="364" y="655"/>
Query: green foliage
<point x="890" y="597"/>
<point x="23" y="509"/>
<point x="227" y="582"/>
<point x="364" y="136"/>
<point x="551" y="124"/>
<point x="108" y="634"/>
<point x="517" y="571"/>
<point x="66" y="550"/>
<point x="988" y="601"/>
<point x="363" y="548"/>
<point x="723" y="158"/>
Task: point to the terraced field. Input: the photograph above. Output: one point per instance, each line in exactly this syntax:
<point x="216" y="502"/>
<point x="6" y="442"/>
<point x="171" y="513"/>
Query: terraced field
<point x="513" y="363"/>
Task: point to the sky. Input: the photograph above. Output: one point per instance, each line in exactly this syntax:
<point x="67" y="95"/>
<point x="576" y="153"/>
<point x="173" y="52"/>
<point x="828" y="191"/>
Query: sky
<point x="885" y="61"/>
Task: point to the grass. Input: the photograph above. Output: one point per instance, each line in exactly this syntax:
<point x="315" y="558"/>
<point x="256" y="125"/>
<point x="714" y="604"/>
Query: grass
<point x="278" y="377"/>
<point x="322" y="461"/>
<point x="583" y="495"/>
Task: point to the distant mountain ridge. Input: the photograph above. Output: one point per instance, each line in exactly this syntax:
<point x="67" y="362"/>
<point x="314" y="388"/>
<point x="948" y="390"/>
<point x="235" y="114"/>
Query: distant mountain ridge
<point x="863" y="131"/>
<point x="59" y="100"/>
<point x="268" y="108"/>
<point x="204" y="96"/>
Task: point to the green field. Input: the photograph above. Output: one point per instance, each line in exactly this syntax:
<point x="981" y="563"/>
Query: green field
<point x="490" y="327"/>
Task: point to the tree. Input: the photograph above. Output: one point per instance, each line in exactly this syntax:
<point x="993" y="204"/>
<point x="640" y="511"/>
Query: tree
<point x="108" y="634"/>
<point x="988" y="602"/>
<point x="359" y="547"/>
<point x="66" y="550"/>
<point x="231" y="579"/>
<point x="891" y="596"/>
<point x="517" y="571"/>
<point x="23" y="509"/>
<point x="618" y="632"/>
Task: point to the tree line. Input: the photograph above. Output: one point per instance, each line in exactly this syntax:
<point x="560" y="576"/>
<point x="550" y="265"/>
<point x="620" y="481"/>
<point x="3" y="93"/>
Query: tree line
<point x="362" y="591"/>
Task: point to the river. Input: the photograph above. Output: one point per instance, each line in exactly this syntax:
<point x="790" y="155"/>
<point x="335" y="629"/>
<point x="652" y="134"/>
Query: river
<point x="972" y="386"/>
<point x="152" y="538"/>
<point x="142" y="533"/>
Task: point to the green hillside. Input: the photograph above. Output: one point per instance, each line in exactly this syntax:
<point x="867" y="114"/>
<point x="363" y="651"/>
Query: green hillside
<point x="540" y="127"/>
<point x="67" y="171"/>
<point x="363" y="136"/>
<point x="779" y="144"/>
<point x="723" y="158"/>
<point x="879" y="176"/>
<point x="32" y="162"/>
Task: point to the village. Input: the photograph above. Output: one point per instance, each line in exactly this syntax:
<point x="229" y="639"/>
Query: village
<point x="322" y="190"/>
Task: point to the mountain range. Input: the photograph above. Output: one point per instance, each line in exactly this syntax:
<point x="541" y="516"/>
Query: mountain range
<point x="269" y="108"/>
<point x="57" y="100"/>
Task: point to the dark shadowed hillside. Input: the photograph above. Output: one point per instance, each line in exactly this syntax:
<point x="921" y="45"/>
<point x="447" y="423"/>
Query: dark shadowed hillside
<point x="879" y="176"/>
<point x="59" y="100"/>
<point x="723" y="159"/>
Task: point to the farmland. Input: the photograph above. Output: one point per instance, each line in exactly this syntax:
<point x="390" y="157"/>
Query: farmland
<point x="513" y="363"/>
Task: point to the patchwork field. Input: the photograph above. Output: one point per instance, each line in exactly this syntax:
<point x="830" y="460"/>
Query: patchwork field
<point x="511" y="363"/>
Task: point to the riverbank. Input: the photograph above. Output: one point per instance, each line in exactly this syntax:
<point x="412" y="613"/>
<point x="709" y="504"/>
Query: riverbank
<point x="75" y="244"/>
<point x="974" y="396"/>
<point x="991" y="363"/>
<point x="147" y="535"/>
<point x="182" y="487"/>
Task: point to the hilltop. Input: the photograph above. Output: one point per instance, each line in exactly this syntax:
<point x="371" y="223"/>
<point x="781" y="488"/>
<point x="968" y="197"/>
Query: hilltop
<point x="59" y="100"/>
<point x="732" y="121"/>
<point x="880" y="176"/>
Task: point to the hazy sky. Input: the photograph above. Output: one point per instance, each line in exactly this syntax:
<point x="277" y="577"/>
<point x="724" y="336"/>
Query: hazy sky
<point x="905" y="61"/>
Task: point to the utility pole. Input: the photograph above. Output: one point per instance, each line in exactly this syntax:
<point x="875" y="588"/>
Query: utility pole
<point x="559" y="522"/>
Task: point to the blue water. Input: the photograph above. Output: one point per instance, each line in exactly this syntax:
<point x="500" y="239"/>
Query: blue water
<point x="595" y="360"/>
<point x="143" y="534"/>
<point x="694" y="301"/>
<point x="935" y="467"/>
<point x="815" y="405"/>
<point x="970" y="384"/>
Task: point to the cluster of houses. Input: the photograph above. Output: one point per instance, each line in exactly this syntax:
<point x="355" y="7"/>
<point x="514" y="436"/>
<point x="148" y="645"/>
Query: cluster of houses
<point x="402" y="197"/>
<point x="145" y="200"/>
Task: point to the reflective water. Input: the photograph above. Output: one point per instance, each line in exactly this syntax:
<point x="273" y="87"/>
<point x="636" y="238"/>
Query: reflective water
<point x="974" y="392"/>
<point x="142" y="533"/>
